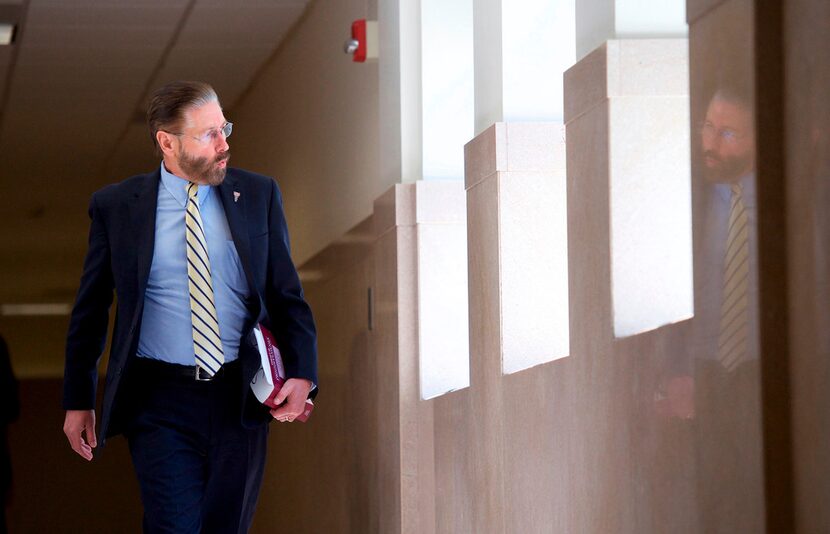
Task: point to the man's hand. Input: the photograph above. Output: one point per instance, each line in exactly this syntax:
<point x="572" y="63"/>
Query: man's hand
<point x="294" y="394"/>
<point x="80" y="423"/>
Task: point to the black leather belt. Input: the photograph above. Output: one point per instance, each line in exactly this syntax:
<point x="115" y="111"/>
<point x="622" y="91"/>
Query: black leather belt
<point x="157" y="368"/>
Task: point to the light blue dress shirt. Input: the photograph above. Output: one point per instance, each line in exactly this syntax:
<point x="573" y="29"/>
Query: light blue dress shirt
<point x="711" y="252"/>
<point x="166" y="328"/>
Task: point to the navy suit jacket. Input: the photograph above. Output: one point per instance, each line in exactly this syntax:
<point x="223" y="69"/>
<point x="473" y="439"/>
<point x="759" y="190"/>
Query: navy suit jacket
<point x="121" y="239"/>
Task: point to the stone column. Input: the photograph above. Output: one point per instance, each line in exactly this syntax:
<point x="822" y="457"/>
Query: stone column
<point x="626" y="117"/>
<point x="515" y="179"/>
<point x="420" y="325"/>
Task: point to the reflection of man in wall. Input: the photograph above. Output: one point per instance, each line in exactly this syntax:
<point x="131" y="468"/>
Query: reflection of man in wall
<point x="725" y="344"/>
<point x="727" y="292"/>
<point x="727" y="151"/>
<point x="727" y="139"/>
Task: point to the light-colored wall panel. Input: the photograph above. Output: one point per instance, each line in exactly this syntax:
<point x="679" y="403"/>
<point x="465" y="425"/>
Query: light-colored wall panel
<point x="651" y="212"/>
<point x="311" y="120"/>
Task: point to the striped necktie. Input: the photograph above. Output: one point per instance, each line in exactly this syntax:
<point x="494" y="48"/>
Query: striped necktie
<point x="734" y="324"/>
<point x="207" y="344"/>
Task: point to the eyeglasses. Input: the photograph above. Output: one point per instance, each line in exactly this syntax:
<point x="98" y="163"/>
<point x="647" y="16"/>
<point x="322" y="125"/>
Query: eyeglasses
<point x="727" y="135"/>
<point x="210" y="136"/>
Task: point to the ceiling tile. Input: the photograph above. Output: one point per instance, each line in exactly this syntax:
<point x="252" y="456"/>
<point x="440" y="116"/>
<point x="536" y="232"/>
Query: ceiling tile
<point x="108" y="37"/>
<point x="162" y="14"/>
<point x="239" y="24"/>
<point x="226" y="68"/>
<point x="47" y="56"/>
<point x="87" y="4"/>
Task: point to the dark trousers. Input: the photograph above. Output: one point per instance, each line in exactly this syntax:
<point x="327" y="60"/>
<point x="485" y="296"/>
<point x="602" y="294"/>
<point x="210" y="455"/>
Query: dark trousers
<point x="729" y="448"/>
<point x="199" y="470"/>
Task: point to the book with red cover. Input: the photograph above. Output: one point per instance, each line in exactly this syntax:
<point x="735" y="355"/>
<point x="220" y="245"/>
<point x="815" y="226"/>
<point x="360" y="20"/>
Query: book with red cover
<point x="270" y="378"/>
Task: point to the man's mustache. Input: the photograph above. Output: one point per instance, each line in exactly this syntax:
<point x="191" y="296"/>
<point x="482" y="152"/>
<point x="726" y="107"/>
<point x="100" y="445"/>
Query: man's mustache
<point x="713" y="155"/>
<point x="223" y="156"/>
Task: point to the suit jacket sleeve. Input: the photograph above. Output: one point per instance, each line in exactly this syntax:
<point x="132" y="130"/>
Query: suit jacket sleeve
<point x="90" y="315"/>
<point x="291" y="319"/>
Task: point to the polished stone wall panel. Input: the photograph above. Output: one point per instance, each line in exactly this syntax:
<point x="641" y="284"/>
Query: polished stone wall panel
<point x="486" y="434"/>
<point x="727" y="399"/>
<point x="338" y="428"/>
<point x="807" y="149"/>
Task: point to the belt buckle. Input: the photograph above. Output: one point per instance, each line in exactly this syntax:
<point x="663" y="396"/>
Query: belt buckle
<point x="202" y="375"/>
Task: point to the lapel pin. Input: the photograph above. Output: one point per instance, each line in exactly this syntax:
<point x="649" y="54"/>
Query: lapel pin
<point x="236" y="195"/>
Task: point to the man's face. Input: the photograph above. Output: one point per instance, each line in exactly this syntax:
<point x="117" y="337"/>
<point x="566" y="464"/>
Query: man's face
<point x="203" y="151"/>
<point x="728" y="141"/>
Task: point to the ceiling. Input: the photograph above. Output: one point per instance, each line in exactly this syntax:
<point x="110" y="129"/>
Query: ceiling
<point x="73" y="88"/>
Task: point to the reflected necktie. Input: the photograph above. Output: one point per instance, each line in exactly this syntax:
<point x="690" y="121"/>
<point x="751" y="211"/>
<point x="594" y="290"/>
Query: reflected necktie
<point x="207" y="344"/>
<point x="734" y="324"/>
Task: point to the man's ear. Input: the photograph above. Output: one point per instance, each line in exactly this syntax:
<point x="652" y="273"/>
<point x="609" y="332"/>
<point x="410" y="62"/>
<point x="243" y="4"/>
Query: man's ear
<point x="165" y="142"/>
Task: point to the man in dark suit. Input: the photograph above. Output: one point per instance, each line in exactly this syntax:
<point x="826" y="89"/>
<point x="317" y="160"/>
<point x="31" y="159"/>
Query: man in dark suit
<point x="197" y="254"/>
<point x="725" y="342"/>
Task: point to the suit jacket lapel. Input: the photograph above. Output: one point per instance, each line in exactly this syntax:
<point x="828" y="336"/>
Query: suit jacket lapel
<point x="234" y="201"/>
<point x="143" y="220"/>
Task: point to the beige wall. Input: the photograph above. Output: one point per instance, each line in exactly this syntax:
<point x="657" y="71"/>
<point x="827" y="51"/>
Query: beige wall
<point x="311" y="120"/>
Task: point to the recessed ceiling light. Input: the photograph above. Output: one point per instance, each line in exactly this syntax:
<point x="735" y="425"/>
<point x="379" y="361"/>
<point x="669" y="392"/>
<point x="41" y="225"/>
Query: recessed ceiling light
<point x="10" y="310"/>
<point x="6" y="33"/>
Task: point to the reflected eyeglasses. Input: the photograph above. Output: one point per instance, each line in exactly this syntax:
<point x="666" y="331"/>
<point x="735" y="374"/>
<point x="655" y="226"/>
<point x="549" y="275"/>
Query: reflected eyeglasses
<point x="727" y="135"/>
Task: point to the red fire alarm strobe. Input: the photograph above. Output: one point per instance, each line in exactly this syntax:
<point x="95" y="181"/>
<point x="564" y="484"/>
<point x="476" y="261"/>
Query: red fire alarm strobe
<point x="364" y="42"/>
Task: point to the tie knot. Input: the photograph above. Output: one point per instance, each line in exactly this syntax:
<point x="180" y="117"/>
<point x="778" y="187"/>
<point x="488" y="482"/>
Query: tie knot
<point x="737" y="189"/>
<point x="192" y="189"/>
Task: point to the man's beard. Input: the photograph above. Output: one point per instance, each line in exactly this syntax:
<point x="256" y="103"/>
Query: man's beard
<point x="203" y="170"/>
<point x="727" y="170"/>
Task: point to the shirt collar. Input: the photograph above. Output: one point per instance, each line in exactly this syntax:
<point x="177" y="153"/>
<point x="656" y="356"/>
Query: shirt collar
<point x="177" y="187"/>
<point x="747" y="182"/>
